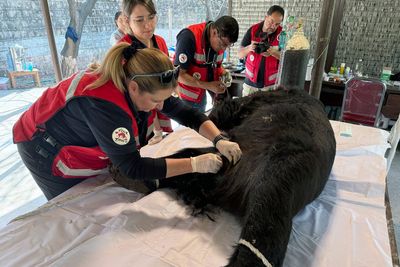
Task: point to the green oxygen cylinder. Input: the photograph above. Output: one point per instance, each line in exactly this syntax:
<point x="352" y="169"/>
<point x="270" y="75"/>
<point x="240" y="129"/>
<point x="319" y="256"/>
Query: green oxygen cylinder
<point x="294" y="60"/>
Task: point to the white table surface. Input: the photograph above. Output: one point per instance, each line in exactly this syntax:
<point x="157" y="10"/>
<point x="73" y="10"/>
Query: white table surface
<point x="98" y="223"/>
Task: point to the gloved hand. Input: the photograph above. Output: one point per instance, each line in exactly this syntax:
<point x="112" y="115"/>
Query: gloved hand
<point x="226" y="78"/>
<point x="206" y="163"/>
<point x="156" y="138"/>
<point x="230" y="150"/>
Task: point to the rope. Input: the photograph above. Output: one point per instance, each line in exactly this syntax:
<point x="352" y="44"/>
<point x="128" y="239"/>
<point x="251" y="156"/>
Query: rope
<point x="255" y="251"/>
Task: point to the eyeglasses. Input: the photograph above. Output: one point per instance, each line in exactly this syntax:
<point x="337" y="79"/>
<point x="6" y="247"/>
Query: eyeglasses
<point x="222" y="43"/>
<point x="271" y="22"/>
<point x="142" y="20"/>
<point x="165" y="77"/>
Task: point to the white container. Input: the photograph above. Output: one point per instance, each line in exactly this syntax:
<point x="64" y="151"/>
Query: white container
<point x="18" y="66"/>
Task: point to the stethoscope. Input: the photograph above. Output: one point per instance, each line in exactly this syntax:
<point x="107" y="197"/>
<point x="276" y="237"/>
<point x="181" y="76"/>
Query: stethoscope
<point x="214" y="61"/>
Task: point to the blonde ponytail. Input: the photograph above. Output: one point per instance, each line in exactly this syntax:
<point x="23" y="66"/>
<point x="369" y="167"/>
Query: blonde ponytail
<point x="111" y="68"/>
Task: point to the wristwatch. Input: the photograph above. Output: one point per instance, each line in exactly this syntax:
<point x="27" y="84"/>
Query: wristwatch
<point x="218" y="138"/>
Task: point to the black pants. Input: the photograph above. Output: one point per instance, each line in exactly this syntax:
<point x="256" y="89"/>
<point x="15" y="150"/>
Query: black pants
<point x="38" y="156"/>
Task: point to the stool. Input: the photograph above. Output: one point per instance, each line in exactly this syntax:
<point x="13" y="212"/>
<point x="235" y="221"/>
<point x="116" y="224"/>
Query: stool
<point x="14" y="74"/>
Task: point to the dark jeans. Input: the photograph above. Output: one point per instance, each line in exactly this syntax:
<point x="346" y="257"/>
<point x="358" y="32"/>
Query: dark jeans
<point x="33" y="154"/>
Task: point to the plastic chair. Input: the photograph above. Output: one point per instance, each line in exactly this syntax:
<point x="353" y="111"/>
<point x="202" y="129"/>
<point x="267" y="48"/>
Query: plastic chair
<point x="393" y="140"/>
<point x="362" y="101"/>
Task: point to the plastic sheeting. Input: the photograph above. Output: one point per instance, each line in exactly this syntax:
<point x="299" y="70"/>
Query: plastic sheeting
<point x="98" y="223"/>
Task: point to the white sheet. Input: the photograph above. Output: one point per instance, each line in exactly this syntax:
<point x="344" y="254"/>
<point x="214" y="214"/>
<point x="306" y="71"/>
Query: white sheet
<point x="98" y="223"/>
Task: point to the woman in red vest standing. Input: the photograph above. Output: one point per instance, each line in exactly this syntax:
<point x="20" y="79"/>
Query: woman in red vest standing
<point x="142" y="20"/>
<point x="102" y="116"/>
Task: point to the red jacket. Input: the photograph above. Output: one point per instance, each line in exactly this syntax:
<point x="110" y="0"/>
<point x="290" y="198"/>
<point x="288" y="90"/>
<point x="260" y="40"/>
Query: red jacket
<point x="199" y="67"/>
<point x="74" y="161"/>
<point x="165" y="122"/>
<point x="253" y="60"/>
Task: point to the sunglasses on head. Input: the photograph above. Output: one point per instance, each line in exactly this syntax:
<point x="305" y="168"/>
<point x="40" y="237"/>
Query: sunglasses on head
<point x="165" y="77"/>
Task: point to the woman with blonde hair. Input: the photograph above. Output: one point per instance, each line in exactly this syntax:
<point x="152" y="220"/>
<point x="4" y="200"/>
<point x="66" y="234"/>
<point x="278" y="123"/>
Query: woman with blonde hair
<point x="102" y="116"/>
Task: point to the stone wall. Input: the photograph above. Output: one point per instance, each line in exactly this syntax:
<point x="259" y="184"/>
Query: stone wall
<point x="370" y="29"/>
<point x="249" y="12"/>
<point x="23" y="24"/>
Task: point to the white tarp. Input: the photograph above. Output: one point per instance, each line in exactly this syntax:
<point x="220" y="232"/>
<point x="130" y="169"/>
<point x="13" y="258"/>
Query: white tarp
<point x="98" y="223"/>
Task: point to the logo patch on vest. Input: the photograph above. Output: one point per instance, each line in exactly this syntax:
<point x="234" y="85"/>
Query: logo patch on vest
<point x="197" y="75"/>
<point x="251" y="58"/>
<point x="182" y="58"/>
<point x="121" y="136"/>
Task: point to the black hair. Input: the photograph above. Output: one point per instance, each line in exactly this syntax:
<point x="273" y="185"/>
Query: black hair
<point x="227" y="26"/>
<point x="276" y="8"/>
<point x="116" y="17"/>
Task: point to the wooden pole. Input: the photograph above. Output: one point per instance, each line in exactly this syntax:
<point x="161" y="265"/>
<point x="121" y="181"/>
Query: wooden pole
<point x="229" y="14"/>
<point x="324" y="33"/>
<point x="50" y="37"/>
<point x="337" y="20"/>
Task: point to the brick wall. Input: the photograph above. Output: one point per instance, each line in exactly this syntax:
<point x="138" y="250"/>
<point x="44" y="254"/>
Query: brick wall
<point x="370" y="29"/>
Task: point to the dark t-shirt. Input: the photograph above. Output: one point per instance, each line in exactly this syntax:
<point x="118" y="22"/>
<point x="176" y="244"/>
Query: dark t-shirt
<point x="247" y="41"/>
<point x="131" y="38"/>
<point x="89" y="122"/>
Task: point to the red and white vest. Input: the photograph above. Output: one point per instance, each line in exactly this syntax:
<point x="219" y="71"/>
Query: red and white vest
<point x="74" y="161"/>
<point x="253" y="60"/>
<point x="199" y="67"/>
<point x="164" y="121"/>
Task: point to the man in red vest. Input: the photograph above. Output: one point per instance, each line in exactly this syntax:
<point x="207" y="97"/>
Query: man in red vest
<point x="260" y="48"/>
<point x="199" y="52"/>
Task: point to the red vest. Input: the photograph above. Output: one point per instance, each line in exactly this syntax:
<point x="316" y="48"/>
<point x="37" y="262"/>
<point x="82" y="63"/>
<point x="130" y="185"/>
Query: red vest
<point x="253" y="60"/>
<point x="199" y="67"/>
<point x="164" y="121"/>
<point x="73" y="161"/>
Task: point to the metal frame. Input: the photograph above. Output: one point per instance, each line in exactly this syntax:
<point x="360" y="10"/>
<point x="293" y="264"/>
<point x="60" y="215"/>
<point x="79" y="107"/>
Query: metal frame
<point x="363" y="79"/>
<point x="393" y="140"/>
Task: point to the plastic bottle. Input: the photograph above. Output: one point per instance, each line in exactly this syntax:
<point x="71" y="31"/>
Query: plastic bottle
<point x="358" y="68"/>
<point x="350" y="75"/>
<point x="282" y="40"/>
<point x="18" y="66"/>
<point x="342" y="68"/>
<point x="347" y="72"/>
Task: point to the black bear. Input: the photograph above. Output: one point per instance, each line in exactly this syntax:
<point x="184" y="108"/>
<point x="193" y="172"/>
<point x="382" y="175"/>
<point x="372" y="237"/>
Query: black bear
<point x="288" y="150"/>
